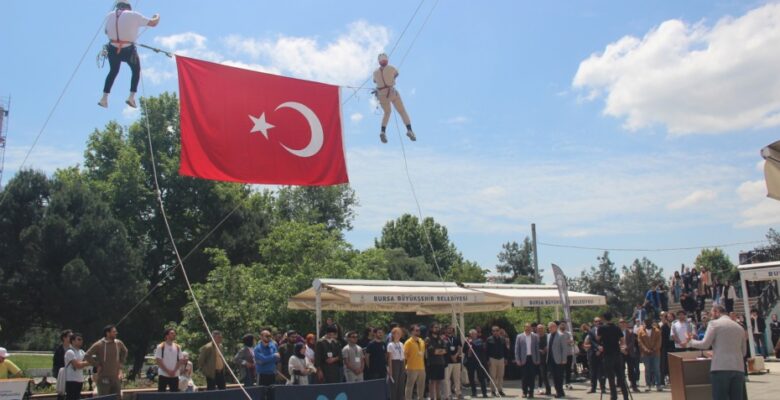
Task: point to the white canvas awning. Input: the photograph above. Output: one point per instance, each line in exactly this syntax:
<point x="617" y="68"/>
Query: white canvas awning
<point x="536" y="295"/>
<point x="426" y="298"/>
<point x="771" y="154"/>
<point x="767" y="271"/>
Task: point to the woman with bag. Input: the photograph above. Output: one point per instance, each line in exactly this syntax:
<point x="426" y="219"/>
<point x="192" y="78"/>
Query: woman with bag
<point x="299" y="367"/>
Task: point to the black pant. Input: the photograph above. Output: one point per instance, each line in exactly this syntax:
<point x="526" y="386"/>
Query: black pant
<point x="567" y="372"/>
<point x="729" y="305"/>
<point x="632" y="364"/>
<point x="128" y="55"/>
<point x="218" y="382"/>
<point x="596" y="367"/>
<point x="614" y="369"/>
<point x="557" y="373"/>
<point x="529" y="373"/>
<point x="544" y="380"/>
<point x="266" y="379"/>
<point x="475" y="369"/>
<point x="73" y="390"/>
<point x="164" y="383"/>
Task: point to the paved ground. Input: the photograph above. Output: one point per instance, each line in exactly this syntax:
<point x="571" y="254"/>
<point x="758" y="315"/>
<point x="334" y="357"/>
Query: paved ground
<point x="760" y="387"/>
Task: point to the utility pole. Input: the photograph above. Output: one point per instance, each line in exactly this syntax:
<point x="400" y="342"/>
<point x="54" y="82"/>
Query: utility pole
<point x="536" y="269"/>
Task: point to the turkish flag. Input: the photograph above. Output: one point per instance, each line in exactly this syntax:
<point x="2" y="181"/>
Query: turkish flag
<point x="246" y="126"/>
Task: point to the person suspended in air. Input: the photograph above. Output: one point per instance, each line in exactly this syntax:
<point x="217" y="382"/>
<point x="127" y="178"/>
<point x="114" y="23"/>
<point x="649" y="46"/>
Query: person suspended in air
<point x="122" y="27"/>
<point x="384" y="78"/>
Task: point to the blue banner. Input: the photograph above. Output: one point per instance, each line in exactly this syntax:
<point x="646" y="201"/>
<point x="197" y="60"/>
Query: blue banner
<point x="375" y="390"/>
<point x="257" y="393"/>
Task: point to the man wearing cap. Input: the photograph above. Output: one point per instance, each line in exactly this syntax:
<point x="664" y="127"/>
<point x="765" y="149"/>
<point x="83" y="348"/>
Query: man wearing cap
<point x="8" y="369"/>
<point x="384" y="78"/>
<point x="122" y="27"/>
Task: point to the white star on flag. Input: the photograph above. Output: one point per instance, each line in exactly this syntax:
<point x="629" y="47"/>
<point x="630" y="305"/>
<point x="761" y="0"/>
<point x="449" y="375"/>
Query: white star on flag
<point x="261" y="125"/>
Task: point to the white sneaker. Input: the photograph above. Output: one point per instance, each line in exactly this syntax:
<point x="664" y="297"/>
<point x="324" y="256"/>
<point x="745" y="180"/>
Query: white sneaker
<point x="103" y="102"/>
<point x="411" y="135"/>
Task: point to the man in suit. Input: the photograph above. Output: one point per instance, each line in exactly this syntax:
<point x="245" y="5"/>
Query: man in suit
<point x="556" y="357"/>
<point x="631" y="354"/>
<point x="544" y="381"/>
<point x="527" y="358"/>
<point x="727" y="340"/>
<point x="595" y="358"/>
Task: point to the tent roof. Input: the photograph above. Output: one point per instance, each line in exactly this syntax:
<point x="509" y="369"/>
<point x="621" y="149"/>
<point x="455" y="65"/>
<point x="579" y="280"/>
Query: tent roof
<point x="760" y="271"/>
<point x="430" y="297"/>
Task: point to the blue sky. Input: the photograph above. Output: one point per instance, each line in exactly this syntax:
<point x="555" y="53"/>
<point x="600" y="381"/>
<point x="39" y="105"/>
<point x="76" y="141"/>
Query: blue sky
<point x="607" y="123"/>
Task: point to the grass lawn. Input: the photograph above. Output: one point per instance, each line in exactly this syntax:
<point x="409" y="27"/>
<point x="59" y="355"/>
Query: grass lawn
<point x="27" y="361"/>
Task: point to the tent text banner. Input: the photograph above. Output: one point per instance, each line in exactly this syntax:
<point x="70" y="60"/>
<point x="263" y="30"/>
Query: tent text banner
<point x="417" y="298"/>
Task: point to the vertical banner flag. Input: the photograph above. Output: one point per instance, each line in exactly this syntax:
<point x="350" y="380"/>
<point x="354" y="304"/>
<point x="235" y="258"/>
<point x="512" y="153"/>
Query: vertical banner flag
<point x="563" y="292"/>
<point x="244" y="126"/>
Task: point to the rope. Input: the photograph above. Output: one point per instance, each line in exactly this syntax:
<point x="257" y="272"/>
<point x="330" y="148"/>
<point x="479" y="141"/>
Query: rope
<point x="56" y="104"/>
<point x="425" y="22"/>
<point x="176" y="249"/>
<point x="408" y="23"/>
<point x="658" y="250"/>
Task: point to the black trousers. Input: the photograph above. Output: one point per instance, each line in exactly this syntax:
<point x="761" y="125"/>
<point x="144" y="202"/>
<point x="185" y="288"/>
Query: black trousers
<point x="218" y="382"/>
<point x="474" y="369"/>
<point x="567" y="371"/>
<point x="128" y="55"/>
<point x="632" y="364"/>
<point x="164" y="383"/>
<point x="529" y="373"/>
<point x="266" y="379"/>
<point x="544" y="380"/>
<point x="557" y="374"/>
<point x="729" y="305"/>
<point x="614" y="369"/>
<point x="596" y="368"/>
<point x="73" y="390"/>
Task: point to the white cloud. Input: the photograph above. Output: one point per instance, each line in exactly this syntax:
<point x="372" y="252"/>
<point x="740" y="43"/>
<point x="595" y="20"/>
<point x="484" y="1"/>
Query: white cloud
<point x="692" y="78"/>
<point x="570" y="197"/>
<point x="45" y="158"/>
<point x="346" y="61"/>
<point x="356" y="117"/>
<point x="457" y="120"/>
<point x="693" y="199"/>
<point x="130" y="113"/>
<point x="758" y="210"/>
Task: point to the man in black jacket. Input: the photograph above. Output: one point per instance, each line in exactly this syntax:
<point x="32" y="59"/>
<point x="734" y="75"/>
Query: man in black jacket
<point x="759" y="330"/>
<point x="612" y="343"/>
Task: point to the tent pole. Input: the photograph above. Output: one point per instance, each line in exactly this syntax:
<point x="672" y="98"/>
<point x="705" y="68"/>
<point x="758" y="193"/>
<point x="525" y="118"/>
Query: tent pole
<point x="318" y="306"/>
<point x="746" y="303"/>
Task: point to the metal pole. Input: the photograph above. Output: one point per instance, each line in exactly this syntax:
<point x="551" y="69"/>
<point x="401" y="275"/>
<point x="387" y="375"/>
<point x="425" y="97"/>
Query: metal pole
<point x="746" y="304"/>
<point x="536" y="269"/>
<point x="318" y="306"/>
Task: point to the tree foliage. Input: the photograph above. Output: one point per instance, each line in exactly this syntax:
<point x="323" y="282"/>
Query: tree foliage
<point x="603" y="280"/>
<point x="409" y="234"/>
<point x="517" y="261"/>
<point x="718" y="263"/>
<point x="636" y="279"/>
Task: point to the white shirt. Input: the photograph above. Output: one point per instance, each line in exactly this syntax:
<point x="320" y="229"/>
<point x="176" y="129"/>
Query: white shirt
<point x="528" y="345"/>
<point x="129" y="22"/>
<point x="396" y="351"/>
<point x="649" y="332"/>
<point x="171" y="358"/>
<point x="73" y="374"/>
<point x="680" y="331"/>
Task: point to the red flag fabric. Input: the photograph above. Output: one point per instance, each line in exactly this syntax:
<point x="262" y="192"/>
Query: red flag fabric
<point x="246" y="126"/>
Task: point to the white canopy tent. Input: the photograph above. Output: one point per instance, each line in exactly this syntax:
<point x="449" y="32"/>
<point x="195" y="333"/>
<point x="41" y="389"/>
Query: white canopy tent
<point x="768" y="271"/>
<point x="427" y="298"/>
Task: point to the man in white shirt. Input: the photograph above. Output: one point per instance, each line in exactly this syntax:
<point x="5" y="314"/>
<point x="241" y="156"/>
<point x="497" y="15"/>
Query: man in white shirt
<point x="74" y="367"/>
<point x="122" y="27"/>
<point x="680" y="330"/>
<point x="727" y="340"/>
<point x="168" y="356"/>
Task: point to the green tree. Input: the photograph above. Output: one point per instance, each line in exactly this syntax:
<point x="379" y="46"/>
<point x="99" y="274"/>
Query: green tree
<point x="332" y="206"/>
<point x="466" y="271"/>
<point x="517" y="261"/>
<point x="409" y="234"/>
<point x="637" y="278"/>
<point x="603" y="280"/>
<point x="718" y="263"/>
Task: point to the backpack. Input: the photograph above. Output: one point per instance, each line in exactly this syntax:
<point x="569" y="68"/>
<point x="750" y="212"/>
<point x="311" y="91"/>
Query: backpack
<point x="61" y="381"/>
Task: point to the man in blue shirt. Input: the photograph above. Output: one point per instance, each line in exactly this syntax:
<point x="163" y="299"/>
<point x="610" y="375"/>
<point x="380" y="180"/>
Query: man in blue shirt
<point x="266" y="357"/>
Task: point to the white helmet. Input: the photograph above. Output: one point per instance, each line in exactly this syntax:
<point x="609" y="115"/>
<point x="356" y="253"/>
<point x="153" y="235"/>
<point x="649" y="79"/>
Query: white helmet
<point x="382" y="57"/>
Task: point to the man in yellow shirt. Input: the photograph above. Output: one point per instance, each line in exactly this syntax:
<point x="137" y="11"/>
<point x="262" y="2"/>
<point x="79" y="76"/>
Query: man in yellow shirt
<point x="414" y="354"/>
<point x="8" y="369"/>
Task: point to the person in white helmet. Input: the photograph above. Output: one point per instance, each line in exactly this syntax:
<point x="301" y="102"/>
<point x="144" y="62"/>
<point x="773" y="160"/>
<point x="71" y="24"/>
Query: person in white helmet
<point x="384" y="78"/>
<point x="122" y="27"/>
